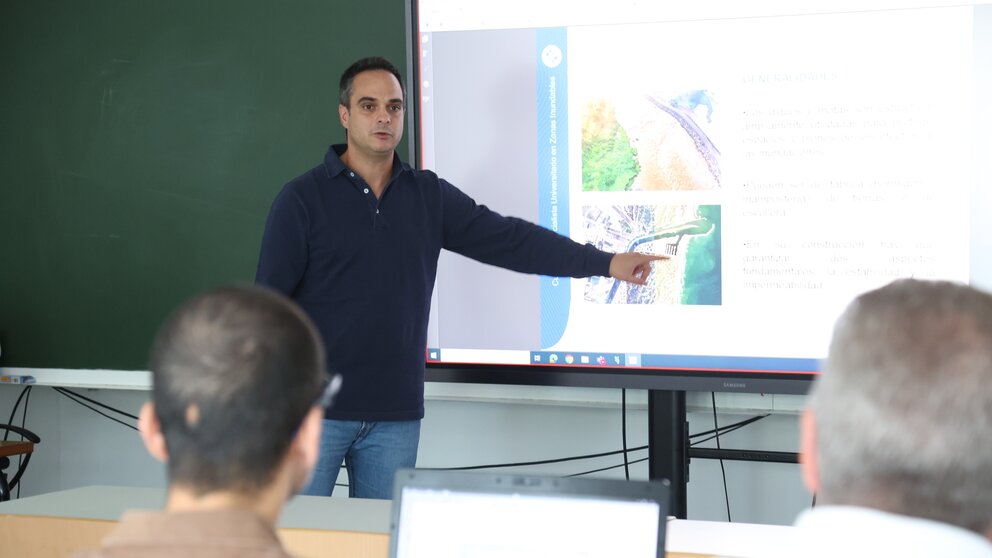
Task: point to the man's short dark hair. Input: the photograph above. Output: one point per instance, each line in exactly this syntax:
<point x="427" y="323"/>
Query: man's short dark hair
<point x="234" y="370"/>
<point x="365" y="65"/>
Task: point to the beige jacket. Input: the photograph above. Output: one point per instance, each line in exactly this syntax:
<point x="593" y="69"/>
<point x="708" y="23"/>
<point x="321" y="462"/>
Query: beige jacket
<point x="214" y="534"/>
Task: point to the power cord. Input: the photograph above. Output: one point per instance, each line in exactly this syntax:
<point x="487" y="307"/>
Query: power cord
<point x="73" y="396"/>
<point x="626" y="464"/>
<point x="95" y="402"/>
<point x="720" y="430"/>
<point x="13" y="412"/>
<point x="24" y="418"/>
<point x="726" y="429"/>
<point x="605" y="468"/>
<point x="530" y="463"/>
<point x="24" y="413"/>
<point x="723" y="471"/>
<point x="623" y="431"/>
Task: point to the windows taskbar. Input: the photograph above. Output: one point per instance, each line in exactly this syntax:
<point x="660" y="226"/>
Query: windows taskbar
<point x="624" y="360"/>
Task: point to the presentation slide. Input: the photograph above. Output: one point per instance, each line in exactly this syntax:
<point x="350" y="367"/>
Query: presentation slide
<point x="785" y="156"/>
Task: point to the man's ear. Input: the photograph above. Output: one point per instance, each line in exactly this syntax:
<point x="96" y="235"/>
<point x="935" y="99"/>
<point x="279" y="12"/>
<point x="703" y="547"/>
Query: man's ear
<point x="305" y="449"/>
<point x="343" y="114"/>
<point x="808" y="458"/>
<point x="151" y="432"/>
<point x="307" y="441"/>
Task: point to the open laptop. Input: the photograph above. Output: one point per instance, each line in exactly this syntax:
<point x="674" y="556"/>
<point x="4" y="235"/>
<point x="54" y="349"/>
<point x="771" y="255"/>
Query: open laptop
<point x="448" y="514"/>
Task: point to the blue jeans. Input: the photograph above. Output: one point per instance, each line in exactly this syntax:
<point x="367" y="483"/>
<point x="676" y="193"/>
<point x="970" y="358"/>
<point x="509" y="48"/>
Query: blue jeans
<point x="372" y="453"/>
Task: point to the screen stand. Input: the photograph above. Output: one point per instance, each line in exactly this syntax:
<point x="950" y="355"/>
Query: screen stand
<point x="669" y="451"/>
<point x="668" y="444"/>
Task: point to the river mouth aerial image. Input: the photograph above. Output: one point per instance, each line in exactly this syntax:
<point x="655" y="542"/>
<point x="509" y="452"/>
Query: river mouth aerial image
<point x="689" y="235"/>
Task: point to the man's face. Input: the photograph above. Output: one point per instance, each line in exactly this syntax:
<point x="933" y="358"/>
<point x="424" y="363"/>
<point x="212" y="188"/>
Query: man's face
<point x="374" y="119"/>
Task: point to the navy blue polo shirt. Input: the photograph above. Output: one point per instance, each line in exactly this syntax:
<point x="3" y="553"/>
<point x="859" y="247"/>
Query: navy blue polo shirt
<point x="363" y="269"/>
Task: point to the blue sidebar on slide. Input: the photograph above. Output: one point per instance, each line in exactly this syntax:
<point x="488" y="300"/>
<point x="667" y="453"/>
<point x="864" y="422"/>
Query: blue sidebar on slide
<point x="552" y="169"/>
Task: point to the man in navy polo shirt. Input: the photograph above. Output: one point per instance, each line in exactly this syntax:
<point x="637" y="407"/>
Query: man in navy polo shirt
<point x="355" y="241"/>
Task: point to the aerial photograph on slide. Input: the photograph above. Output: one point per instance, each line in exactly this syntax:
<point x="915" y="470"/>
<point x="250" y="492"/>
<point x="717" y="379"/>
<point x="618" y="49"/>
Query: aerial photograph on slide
<point x="655" y="138"/>
<point x="661" y="143"/>
<point x="650" y="142"/>
<point x="688" y="234"/>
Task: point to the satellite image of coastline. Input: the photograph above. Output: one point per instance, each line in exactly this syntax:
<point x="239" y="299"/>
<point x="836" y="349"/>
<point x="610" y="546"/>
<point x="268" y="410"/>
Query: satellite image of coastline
<point x="649" y="143"/>
<point x="689" y="235"/>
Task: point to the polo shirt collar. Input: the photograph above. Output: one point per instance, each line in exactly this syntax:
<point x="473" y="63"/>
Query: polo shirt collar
<point x="334" y="165"/>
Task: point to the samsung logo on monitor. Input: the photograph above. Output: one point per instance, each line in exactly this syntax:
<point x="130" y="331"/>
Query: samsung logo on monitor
<point x="734" y="385"/>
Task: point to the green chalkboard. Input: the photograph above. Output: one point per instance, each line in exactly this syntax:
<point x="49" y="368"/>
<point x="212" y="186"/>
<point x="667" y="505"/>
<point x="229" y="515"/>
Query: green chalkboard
<point x="141" y="143"/>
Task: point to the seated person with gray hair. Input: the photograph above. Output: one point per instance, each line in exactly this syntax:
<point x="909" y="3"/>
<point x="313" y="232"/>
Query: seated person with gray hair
<point x="239" y="386"/>
<point x="897" y="438"/>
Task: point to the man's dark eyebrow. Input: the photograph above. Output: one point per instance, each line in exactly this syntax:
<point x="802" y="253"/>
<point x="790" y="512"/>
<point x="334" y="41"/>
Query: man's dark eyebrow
<point x="368" y="99"/>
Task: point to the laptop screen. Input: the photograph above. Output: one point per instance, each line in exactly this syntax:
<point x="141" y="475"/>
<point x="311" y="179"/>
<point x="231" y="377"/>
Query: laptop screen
<point x="442" y="514"/>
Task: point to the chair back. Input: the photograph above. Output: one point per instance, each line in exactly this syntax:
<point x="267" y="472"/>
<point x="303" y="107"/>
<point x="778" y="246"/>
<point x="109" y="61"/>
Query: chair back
<point x="23" y="447"/>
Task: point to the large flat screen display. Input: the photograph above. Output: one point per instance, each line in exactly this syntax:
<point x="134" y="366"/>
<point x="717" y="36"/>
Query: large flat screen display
<point x="787" y="156"/>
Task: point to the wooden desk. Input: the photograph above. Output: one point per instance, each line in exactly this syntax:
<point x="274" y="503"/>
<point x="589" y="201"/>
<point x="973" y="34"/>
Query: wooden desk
<point x="310" y="527"/>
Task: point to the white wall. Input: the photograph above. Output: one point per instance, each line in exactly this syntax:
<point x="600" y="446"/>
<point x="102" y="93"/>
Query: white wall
<point x="465" y="425"/>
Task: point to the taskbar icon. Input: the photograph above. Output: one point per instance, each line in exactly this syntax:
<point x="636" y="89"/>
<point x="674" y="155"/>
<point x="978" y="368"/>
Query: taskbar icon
<point x="563" y="358"/>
